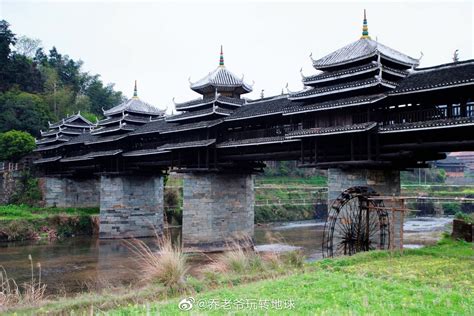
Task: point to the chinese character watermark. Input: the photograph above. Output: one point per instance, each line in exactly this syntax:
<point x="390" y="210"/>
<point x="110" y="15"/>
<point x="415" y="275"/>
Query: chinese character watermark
<point x="188" y="303"/>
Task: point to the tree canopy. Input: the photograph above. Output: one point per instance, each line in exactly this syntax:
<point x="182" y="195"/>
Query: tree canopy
<point x="15" y="144"/>
<point x="37" y="86"/>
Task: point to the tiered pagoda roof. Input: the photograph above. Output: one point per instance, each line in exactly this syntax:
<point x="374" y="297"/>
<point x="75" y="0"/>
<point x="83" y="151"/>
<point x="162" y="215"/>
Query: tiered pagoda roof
<point x="63" y="131"/>
<point x="221" y="80"/>
<point x="220" y="90"/>
<point x="119" y="122"/>
<point x="127" y="116"/>
<point x="363" y="67"/>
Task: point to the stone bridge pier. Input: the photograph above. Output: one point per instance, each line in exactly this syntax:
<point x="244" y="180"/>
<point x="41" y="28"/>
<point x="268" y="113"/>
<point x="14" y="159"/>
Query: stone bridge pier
<point x="218" y="211"/>
<point x="384" y="182"/>
<point x="131" y="205"/>
<point x="70" y="191"/>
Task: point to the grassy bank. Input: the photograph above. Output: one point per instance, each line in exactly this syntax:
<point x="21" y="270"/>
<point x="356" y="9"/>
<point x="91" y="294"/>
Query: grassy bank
<point x="435" y="280"/>
<point x="12" y="212"/>
<point x="21" y="222"/>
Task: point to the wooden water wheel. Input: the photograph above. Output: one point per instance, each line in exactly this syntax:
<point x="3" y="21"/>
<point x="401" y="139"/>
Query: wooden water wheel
<point x="356" y="222"/>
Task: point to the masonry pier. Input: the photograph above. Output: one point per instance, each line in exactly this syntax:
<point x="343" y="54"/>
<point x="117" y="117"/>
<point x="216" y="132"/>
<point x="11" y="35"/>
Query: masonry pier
<point x="131" y="206"/>
<point x="218" y="211"/>
<point x="70" y="191"/>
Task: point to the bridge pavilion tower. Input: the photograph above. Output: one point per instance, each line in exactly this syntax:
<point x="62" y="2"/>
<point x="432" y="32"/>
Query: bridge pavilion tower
<point x="354" y="76"/>
<point x="218" y="205"/>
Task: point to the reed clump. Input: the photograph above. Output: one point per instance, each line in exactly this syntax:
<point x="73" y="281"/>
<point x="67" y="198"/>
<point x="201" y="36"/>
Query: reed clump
<point x="32" y="294"/>
<point x="168" y="265"/>
<point x="241" y="258"/>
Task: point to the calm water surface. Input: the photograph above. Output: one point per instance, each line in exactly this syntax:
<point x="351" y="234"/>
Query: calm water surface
<point x="86" y="263"/>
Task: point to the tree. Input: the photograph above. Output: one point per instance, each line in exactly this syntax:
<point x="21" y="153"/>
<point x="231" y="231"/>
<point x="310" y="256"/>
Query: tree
<point x="102" y="97"/>
<point x="25" y="74"/>
<point x="15" y="144"/>
<point x="7" y="39"/>
<point x="27" y="46"/>
<point x="23" y="111"/>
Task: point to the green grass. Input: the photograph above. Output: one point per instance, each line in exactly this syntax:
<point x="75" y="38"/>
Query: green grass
<point x="436" y="280"/>
<point x="286" y="180"/>
<point x="14" y="212"/>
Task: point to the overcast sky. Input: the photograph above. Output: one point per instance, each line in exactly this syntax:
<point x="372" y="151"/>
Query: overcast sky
<point x="162" y="44"/>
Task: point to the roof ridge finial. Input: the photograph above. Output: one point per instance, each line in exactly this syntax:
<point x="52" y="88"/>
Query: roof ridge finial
<point x="135" y="92"/>
<point x="365" y="28"/>
<point x="221" y="58"/>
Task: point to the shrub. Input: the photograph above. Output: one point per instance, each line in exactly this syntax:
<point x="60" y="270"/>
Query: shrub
<point x="451" y="208"/>
<point x="19" y="230"/>
<point x="293" y="258"/>
<point x="172" y="204"/>
<point x="28" y="192"/>
<point x="465" y="217"/>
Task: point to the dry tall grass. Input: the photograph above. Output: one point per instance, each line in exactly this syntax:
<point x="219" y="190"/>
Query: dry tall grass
<point x="167" y="266"/>
<point x="239" y="258"/>
<point x="10" y="294"/>
<point x="243" y="259"/>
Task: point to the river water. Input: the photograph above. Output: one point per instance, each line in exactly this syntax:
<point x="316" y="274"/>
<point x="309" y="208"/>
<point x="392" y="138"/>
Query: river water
<point x="86" y="263"/>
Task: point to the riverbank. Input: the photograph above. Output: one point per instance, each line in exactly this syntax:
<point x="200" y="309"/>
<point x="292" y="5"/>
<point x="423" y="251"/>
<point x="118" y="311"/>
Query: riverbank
<point x="433" y="280"/>
<point x="22" y="222"/>
<point x="436" y="280"/>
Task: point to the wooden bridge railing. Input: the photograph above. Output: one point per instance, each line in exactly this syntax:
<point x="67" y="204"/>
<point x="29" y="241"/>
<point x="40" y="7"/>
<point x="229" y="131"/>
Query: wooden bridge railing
<point x="260" y="133"/>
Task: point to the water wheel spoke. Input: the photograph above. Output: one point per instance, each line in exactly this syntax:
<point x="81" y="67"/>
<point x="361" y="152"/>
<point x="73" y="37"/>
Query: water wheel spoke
<point x="352" y="225"/>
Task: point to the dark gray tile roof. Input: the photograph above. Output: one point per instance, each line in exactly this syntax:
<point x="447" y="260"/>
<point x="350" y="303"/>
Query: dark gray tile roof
<point x="76" y="158"/>
<point x="144" y="152"/>
<point x="135" y="105"/>
<point x="92" y="155"/>
<point x="427" y="125"/>
<point x="73" y="120"/>
<point x="359" y="50"/>
<point x="173" y="127"/>
<point x="110" y="120"/>
<point x="194" y="103"/>
<point x="354" y="85"/>
<point x="221" y="77"/>
<point x="438" y="77"/>
<point x="189" y="144"/>
<point x="46" y="160"/>
<point x="317" y="131"/>
<point x="80" y="139"/>
<point x="114" y="128"/>
<point x="125" y="118"/>
<point x="264" y="107"/>
<point x="152" y="127"/>
<point x="200" y="113"/>
<point x="65" y="130"/>
<point x="254" y="141"/>
<point x="329" y="75"/>
<point x="105" y="139"/>
<point x="105" y="153"/>
<point x="298" y="107"/>
<point x="52" y="140"/>
<point x="205" y="101"/>
<point x="43" y="148"/>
